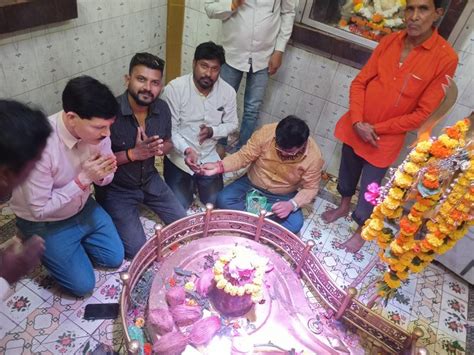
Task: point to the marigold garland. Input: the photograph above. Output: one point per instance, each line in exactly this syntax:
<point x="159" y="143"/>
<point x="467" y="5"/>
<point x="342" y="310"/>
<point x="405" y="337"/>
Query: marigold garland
<point x="450" y="211"/>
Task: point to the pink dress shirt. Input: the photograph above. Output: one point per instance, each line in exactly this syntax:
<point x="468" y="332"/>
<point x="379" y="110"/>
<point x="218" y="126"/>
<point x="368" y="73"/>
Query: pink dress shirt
<point x="50" y="193"/>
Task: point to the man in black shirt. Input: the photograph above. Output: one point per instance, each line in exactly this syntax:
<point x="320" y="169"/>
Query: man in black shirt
<point x="142" y="130"/>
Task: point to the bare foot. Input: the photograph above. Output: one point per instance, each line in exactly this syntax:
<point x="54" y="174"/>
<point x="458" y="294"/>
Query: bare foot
<point x="355" y="242"/>
<point x="334" y="214"/>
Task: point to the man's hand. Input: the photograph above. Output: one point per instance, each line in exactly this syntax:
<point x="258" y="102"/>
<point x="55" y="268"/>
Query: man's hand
<point x="146" y="147"/>
<point x="15" y="263"/>
<point x="367" y="133"/>
<point x="210" y="169"/>
<point x="275" y="62"/>
<point x="205" y="132"/>
<point x="236" y="4"/>
<point x="192" y="159"/>
<point x="282" y="209"/>
<point x="97" y="168"/>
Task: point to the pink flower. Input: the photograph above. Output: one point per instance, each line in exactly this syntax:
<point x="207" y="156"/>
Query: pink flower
<point x="372" y="193"/>
<point x="204" y="283"/>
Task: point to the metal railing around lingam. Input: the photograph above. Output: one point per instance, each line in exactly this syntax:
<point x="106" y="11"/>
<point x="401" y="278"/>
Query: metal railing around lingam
<point x="339" y="304"/>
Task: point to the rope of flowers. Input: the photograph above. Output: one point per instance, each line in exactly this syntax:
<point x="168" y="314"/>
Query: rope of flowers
<point x="373" y="20"/>
<point x="437" y="179"/>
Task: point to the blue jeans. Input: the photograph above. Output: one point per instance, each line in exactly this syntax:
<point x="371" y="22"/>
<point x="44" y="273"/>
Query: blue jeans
<point x="122" y="204"/>
<point x="352" y="168"/>
<point x="184" y="184"/>
<point x="73" y="243"/>
<point x="254" y="93"/>
<point x="233" y="197"/>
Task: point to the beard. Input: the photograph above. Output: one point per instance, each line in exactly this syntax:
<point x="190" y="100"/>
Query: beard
<point x="205" y="82"/>
<point x="142" y="97"/>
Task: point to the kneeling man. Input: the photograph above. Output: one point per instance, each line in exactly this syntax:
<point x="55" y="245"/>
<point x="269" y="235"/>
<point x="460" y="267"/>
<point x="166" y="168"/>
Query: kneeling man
<point x="285" y="167"/>
<point x="55" y="203"/>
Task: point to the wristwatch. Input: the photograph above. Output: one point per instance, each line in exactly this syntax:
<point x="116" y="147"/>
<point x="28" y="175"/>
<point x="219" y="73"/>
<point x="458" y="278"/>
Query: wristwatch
<point x="295" y="205"/>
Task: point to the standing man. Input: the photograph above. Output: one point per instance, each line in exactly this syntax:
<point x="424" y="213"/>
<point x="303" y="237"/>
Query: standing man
<point x="55" y="202"/>
<point x="203" y="108"/>
<point x="254" y="36"/>
<point x="284" y="166"/>
<point x="23" y="136"/>
<point x="141" y="131"/>
<point x="394" y="93"/>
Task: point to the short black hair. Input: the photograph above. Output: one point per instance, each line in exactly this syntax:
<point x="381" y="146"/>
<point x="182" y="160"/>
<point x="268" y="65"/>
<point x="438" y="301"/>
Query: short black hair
<point x="149" y="60"/>
<point x="210" y="50"/>
<point x="438" y="3"/>
<point x="291" y="132"/>
<point x="87" y="97"/>
<point x="23" y="134"/>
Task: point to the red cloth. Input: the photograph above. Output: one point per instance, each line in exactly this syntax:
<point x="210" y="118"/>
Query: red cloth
<point x="396" y="99"/>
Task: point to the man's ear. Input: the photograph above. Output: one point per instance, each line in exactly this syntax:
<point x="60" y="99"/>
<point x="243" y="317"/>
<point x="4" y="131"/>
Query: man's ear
<point x="439" y="12"/>
<point x="126" y="79"/>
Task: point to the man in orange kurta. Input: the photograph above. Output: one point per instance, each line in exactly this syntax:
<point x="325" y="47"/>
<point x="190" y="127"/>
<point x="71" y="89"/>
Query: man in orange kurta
<point x="394" y="93"/>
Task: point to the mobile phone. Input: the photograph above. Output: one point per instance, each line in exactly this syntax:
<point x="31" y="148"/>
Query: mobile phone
<point x="101" y="311"/>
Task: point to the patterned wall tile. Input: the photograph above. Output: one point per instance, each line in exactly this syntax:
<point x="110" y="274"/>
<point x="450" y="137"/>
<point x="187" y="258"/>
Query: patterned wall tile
<point x="465" y="41"/>
<point x="320" y="75"/>
<point x="20" y="66"/>
<point x="309" y="108"/>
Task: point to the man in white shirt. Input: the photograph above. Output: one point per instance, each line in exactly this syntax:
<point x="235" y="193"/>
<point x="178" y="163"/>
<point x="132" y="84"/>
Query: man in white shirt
<point x="254" y="36"/>
<point x="23" y="136"/>
<point x="55" y="203"/>
<point x="203" y="109"/>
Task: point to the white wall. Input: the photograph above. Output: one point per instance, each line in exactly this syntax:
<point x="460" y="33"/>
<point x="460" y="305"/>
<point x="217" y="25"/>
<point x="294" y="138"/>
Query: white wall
<point x="316" y="88"/>
<point x="35" y="64"/>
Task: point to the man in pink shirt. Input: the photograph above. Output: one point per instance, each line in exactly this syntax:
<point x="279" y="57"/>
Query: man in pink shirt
<point x="55" y="203"/>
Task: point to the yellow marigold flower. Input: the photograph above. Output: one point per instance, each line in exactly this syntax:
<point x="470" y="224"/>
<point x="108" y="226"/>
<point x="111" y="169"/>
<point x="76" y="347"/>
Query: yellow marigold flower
<point x="376" y="224"/>
<point x="459" y="233"/>
<point x="454" y="197"/>
<point x="433" y="240"/>
<point x="358" y="7"/>
<point x="411" y="168"/>
<point x="403" y="180"/>
<point x="397" y="249"/>
<point x="463" y="125"/>
<point x="423" y="147"/>
<point x="391" y="280"/>
<point x="417" y="157"/>
<point x="432" y="227"/>
<point x="241" y="291"/>
<point x="189" y="286"/>
<point x="448" y="142"/>
<point x="426" y="257"/>
<point x="444" y="228"/>
<point x="402" y="275"/>
<point x="463" y="208"/>
<point x="366" y="235"/>
<point x="387" y="211"/>
<point x="463" y="181"/>
<point x="398" y="212"/>
<point x="446" y="207"/>
<point x="417" y="268"/>
<point x="391" y="203"/>
<point x="398" y="267"/>
<point x="419" y="207"/>
<point x="415" y="219"/>
<point x="396" y="193"/>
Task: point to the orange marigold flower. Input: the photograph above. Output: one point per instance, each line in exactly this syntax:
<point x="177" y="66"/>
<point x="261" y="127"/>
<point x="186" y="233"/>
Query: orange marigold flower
<point x="342" y="23"/>
<point x="408" y="226"/>
<point x="377" y="18"/>
<point x="439" y="150"/>
<point x="453" y="132"/>
<point x="431" y="184"/>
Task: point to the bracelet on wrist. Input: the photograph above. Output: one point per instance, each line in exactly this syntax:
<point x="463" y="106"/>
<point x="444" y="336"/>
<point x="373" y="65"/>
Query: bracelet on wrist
<point x="80" y="184"/>
<point x="221" y="167"/>
<point x="129" y="155"/>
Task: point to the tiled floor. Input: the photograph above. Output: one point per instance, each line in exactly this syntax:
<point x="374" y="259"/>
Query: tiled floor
<point x="39" y="318"/>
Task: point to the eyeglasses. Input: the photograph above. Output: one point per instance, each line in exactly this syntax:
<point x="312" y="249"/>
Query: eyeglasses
<point x="291" y="153"/>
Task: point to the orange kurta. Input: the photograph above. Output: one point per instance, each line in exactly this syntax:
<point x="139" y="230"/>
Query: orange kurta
<point x="396" y="99"/>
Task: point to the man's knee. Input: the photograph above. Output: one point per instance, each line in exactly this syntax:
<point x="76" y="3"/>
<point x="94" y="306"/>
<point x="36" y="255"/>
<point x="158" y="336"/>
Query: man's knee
<point x="82" y="286"/>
